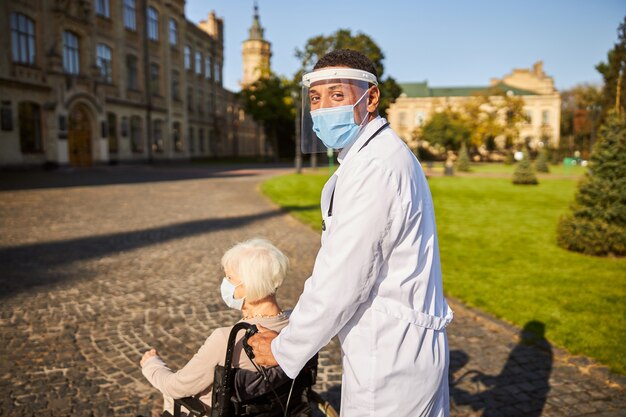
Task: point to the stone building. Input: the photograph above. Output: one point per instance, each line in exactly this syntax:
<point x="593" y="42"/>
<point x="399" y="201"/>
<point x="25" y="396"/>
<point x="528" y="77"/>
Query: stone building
<point x="98" y="81"/>
<point x="542" y="104"/>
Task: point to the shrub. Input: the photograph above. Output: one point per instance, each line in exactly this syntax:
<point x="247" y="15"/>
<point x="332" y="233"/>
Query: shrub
<point x="524" y="173"/>
<point x="541" y="164"/>
<point x="463" y="163"/>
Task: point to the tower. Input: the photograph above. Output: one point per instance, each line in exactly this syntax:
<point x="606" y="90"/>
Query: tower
<point x="256" y="52"/>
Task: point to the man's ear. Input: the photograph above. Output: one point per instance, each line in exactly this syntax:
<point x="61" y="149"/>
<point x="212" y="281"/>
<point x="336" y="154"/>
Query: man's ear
<point x="373" y="99"/>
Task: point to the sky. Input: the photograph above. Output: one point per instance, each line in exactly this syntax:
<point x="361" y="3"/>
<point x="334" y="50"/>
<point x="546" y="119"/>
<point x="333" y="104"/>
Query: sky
<point x="445" y="42"/>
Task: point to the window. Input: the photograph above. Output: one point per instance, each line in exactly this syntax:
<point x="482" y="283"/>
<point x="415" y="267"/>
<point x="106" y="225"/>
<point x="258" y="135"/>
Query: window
<point x="154" y="79"/>
<point x="200" y="102"/>
<point x="103" y="61"/>
<point x="191" y="140"/>
<point x="71" y="55"/>
<point x="528" y="117"/>
<point x="198" y="63"/>
<point x="102" y="8"/>
<point x="218" y="73"/>
<point x="176" y="137"/>
<point x="153" y="24"/>
<point x="112" y="134"/>
<point x="187" y="57"/>
<point x="420" y="116"/>
<point x="157" y="136"/>
<point x="190" y="99"/>
<point x="132" y="83"/>
<point x="545" y="117"/>
<point x="175" y="85"/>
<point x="130" y="15"/>
<point x="22" y="39"/>
<point x="136" y="141"/>
<point x="402" y="118"/>
<point x="207" y="67"/>
<point x="173" y="32"/>
<point x="30" y="127"/>
<point x="201" y="139"/>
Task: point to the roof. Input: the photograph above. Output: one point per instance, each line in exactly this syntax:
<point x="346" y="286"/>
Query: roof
<point x="421" y="89"/>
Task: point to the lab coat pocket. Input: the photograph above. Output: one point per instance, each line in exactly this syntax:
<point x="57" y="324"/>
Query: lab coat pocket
<point x="326" y="223"/>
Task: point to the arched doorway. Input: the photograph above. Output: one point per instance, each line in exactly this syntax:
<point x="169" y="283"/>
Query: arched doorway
<point x="79" y="136"/>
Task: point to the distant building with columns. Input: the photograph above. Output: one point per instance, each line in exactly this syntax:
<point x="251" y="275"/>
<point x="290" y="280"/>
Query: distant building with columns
<point x="104" y="81"/>
<point x="542" y="104"/>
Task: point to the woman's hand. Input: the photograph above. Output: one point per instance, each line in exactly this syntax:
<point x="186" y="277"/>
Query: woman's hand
<point x="146" y="356"/>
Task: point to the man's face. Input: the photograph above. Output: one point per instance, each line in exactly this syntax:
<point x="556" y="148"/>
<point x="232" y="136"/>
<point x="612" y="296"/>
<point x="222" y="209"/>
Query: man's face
<point x="333" y="93"/>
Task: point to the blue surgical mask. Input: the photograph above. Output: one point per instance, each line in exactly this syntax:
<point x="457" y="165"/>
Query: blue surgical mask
<point x="228" y="294"/>
<point x="335" y="126"/>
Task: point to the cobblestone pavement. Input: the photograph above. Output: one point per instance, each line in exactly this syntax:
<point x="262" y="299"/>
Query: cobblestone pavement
<point x="94" y="274"/>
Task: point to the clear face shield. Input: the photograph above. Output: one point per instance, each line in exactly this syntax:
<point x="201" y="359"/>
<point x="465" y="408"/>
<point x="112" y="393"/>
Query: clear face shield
<point x="334" y="107"/>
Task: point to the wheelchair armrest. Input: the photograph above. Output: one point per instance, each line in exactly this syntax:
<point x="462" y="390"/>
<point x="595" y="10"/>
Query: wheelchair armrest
<point x="194" y="405"/>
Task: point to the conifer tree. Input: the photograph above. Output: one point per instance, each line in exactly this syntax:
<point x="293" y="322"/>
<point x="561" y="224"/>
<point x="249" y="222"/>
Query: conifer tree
<point x="597" y="223"/>
<point x="463" y="163"/>
<point x="541" y="164"/>
<point x="524" y="173"/>
<point x="509" y="159"/>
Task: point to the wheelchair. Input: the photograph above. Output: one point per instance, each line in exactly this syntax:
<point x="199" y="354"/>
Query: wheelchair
<point x="266" y="393"/>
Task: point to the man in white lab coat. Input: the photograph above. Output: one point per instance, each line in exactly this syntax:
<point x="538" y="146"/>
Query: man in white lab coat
<point x="376" y="282"/>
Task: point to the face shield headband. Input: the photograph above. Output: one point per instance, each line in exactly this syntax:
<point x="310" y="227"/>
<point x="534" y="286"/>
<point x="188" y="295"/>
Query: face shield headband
<point x="333" y="107"/>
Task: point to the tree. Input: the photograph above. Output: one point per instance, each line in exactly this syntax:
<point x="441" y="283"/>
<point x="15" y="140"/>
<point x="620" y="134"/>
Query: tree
<point x="597" y="224"/>
<point x="268" y="100"/>
<point x="482" y="118"/>
<point x="524" y="173"/>
<point x="319" y="46"/>
<point x="447" y="128"/>
<point x="580" y="111"/>
<point x="492" y="113"/>
<point x="541" y="164"/>
<point x="463" y="163"/>
<point x="613" y="73"/>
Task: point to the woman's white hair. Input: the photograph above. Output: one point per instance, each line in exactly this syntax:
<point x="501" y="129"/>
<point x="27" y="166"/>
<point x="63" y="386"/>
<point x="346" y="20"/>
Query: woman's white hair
<point x="260" y="265"/>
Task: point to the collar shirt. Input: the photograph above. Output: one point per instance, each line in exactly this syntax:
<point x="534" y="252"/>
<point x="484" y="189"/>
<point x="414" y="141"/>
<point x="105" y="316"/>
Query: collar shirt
<point x="376" y="283"/>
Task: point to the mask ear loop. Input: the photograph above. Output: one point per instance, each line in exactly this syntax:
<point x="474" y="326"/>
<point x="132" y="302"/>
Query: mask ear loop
<point x="365" y="117"/>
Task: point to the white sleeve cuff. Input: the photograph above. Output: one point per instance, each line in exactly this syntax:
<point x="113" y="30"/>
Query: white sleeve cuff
<point x="282" y="361"/>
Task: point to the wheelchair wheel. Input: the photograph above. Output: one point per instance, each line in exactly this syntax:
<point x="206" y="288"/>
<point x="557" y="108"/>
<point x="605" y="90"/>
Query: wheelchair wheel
<point x="320" y="405"/>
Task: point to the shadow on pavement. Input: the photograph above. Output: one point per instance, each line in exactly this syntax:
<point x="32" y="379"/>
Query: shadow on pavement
<point x="125" y="174"/>
<point x="33" y="265"/>
<point x="521" y="388"/>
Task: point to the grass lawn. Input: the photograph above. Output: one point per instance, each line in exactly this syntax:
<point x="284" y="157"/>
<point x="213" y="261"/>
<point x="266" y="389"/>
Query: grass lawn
<point x="498" y="253"/>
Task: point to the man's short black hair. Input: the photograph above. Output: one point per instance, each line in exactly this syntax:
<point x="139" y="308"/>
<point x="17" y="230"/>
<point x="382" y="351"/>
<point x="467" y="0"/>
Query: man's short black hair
<point x="346" y="58"/>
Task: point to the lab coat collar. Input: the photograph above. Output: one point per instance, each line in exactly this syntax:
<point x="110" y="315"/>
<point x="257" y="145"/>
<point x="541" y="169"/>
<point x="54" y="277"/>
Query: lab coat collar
<point x="365" y="134"/>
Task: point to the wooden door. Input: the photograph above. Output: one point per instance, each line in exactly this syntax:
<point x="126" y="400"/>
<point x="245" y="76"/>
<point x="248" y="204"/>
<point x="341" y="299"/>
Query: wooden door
<point x="79" y="137"/>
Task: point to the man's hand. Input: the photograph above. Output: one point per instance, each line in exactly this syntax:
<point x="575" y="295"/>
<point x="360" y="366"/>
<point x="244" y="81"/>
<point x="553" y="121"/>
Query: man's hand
<point x="149" y="354"/>
<point x="261" y="345"/>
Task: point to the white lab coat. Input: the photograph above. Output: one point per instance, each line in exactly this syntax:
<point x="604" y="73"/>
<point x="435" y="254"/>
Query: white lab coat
<point x="377" y="284"/>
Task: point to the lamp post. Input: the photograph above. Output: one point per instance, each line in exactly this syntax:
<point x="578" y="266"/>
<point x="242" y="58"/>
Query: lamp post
<point x="593" y="110"/>
<point x="298" y="158"/>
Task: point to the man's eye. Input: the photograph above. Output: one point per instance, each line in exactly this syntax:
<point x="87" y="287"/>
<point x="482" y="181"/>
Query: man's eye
<point x="337" y="96"/>
<point x="315" y="99"/>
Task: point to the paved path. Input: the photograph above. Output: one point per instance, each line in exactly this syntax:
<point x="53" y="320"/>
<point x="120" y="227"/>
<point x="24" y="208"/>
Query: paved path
<point x="93" y="274"/>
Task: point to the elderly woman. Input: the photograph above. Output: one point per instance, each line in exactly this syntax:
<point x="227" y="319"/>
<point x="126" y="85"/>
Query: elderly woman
<point x="254" y="270"/>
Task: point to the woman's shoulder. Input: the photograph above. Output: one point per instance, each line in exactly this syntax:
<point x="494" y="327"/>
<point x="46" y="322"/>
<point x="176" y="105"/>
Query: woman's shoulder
<point x="275" y="323"/>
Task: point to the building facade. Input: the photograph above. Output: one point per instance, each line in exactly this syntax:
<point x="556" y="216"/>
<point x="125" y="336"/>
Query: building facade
<point x="99" y="81"/>
<point x="542" y="104"/>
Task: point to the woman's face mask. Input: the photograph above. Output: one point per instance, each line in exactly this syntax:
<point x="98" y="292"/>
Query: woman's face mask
<point x="228" y="294"/>
<point x="335" y="126"/>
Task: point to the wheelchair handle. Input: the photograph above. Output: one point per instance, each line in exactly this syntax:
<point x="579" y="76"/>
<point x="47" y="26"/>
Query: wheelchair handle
<point x="251" y="330"/>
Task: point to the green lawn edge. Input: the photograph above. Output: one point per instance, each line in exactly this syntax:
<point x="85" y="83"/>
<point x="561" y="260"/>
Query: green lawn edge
<point x="499" y="254"/>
